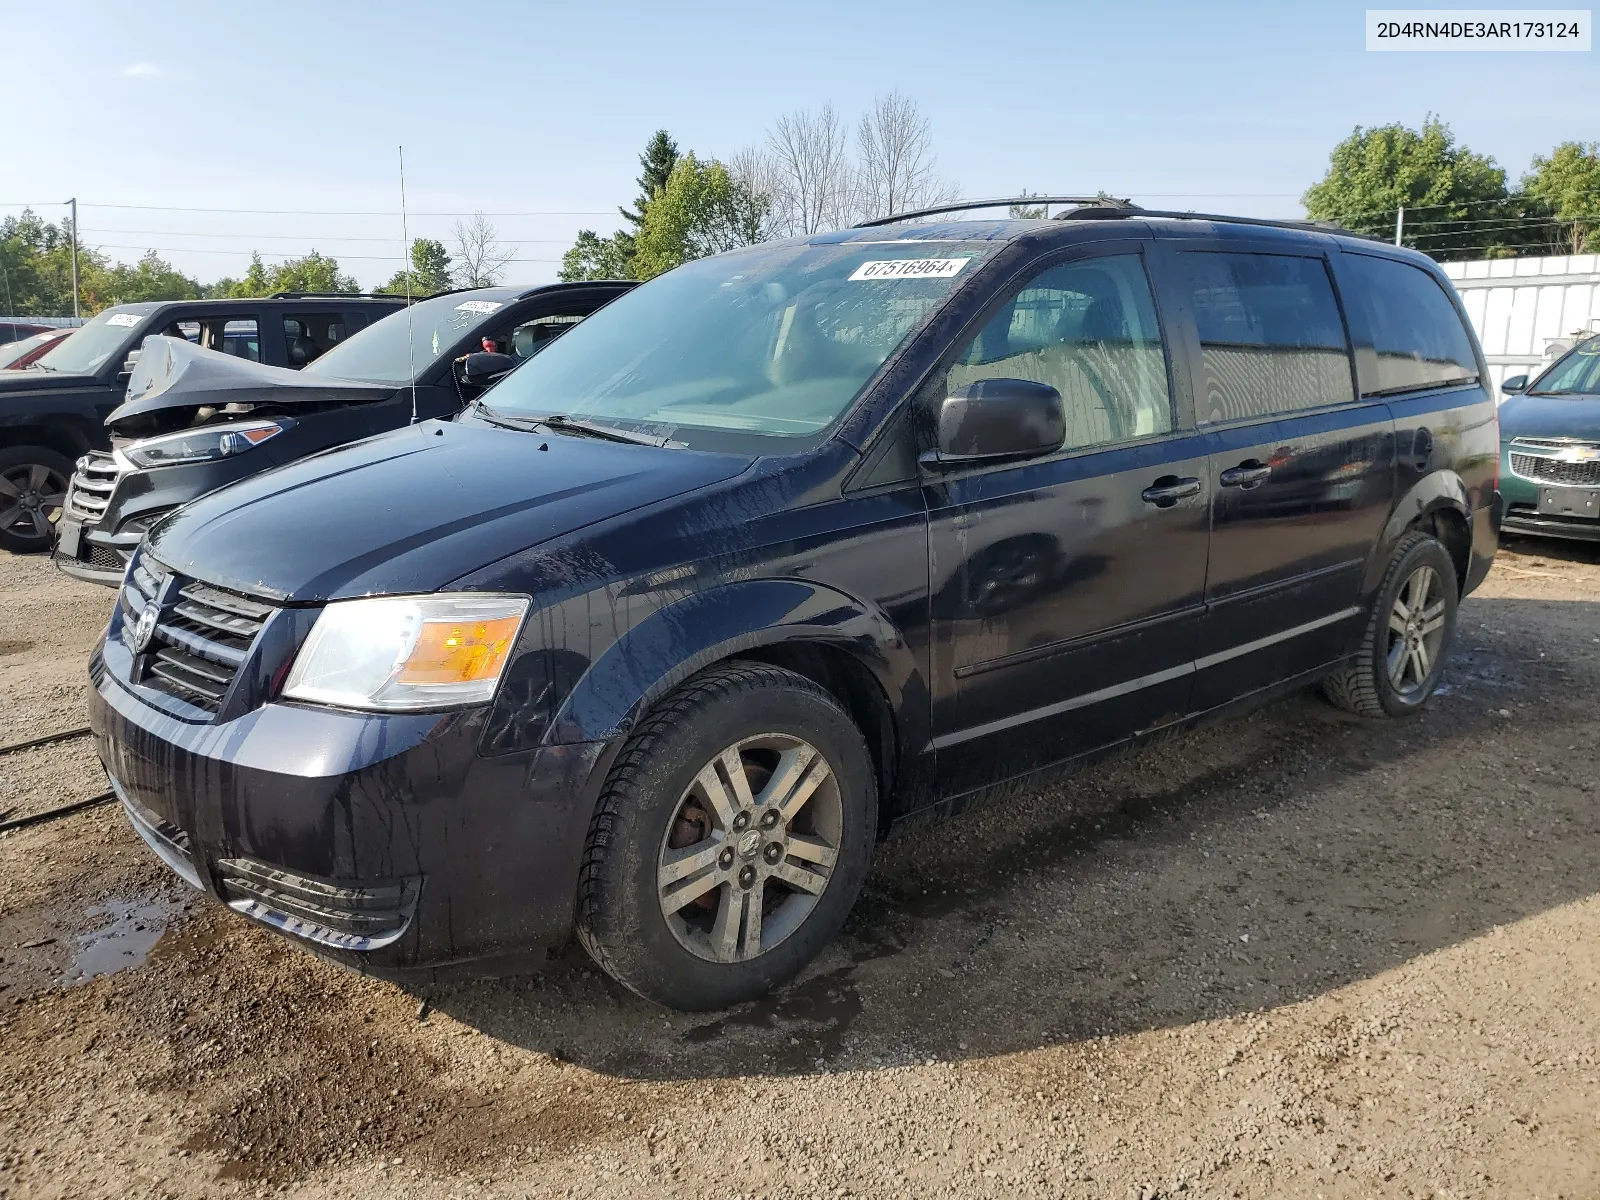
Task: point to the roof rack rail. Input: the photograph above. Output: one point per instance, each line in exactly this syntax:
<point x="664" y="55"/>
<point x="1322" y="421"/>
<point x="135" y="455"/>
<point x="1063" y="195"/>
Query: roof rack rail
<point x="967" y="205"/>
<point x="334" y="296"/>
<point x="1103" y="212"/>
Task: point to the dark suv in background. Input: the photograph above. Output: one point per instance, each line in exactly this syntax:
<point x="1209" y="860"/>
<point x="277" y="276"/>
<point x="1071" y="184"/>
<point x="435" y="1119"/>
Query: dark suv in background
<point x="54" y="410"/>
<point x="781" y="548"/>
<point x="194" y="420"/>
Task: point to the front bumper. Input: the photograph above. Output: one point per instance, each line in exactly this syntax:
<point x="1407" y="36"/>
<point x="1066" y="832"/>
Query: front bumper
<point x="385" y="841"/>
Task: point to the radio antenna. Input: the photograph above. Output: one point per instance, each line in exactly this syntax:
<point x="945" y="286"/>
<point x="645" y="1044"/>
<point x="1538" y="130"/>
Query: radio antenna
<point x="405" y="234"/>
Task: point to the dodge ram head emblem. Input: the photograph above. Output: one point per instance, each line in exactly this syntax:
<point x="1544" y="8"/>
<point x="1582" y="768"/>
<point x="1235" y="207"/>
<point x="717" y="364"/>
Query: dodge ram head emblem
<point x="145" y="630"/>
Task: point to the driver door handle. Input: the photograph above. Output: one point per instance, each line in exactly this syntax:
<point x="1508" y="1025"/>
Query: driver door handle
<point x="1247" y="474"/>
<point x="1168" y="490"/>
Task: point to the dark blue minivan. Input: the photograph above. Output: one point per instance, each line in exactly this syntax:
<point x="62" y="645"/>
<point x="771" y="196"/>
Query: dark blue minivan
<point x="781" y="548"/>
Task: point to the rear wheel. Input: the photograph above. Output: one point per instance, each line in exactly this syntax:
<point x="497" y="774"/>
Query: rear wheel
<point x="731" y="840"/>
<point x="1408" y="635"/>
<point x="33" y="487"/>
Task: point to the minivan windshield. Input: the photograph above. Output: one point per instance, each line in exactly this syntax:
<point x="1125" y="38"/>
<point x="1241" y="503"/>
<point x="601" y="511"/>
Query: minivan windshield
<point x="87" y="350"/>
<point x="1578" y="374"/>
<point x="384" y="351"/>
<point x="772" y="342"/>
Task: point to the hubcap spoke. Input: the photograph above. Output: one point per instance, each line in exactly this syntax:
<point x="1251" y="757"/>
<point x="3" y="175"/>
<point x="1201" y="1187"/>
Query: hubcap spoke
<point x="1397" y="621"/>
<point x="1399" y="656"/>
<point x="1401" y="612"/>
<point x="730" y="935"/>
<point x="798" y="782"/>
<point x="691" y="860"/>
<point x="813" y="850"/>
<point x="716" y="794"/>
<point x="38" y="477"/>
<point x="734" y="766"/>
<point x="9" y="515"/>
<point x="41" y="523"/>
<point x="1424" y="661"/>
<point x="810" y="882"/>
<point x="9" y="487"/>
<point x="1432" y="618"/>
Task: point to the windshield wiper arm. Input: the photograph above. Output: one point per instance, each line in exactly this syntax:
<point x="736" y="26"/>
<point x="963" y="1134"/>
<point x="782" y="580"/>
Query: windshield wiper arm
<point x="573" y="425"/>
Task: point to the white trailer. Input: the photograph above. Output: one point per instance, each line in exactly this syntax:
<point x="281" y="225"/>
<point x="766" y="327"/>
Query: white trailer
<point x="1528" y="310"/>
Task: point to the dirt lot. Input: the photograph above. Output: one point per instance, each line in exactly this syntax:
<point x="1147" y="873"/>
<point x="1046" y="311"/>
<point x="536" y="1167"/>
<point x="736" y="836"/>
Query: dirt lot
<point x="1301" y="955"/>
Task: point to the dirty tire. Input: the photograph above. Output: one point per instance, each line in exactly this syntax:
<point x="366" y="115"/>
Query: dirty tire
<point x="1363" y="685"/>
<point x="620" y="917"/>
<point x="21" y="468"/>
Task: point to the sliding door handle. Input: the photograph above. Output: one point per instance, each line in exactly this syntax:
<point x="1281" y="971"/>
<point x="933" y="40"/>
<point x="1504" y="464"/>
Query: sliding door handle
<point x="1248" y="474"/>
<point x="1168" y="490"/>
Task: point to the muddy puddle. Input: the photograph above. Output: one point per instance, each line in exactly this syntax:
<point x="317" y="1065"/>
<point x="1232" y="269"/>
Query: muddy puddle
<point x="128" y="930"/>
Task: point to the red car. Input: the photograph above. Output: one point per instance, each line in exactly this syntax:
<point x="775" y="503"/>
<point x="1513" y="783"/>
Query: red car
<point x="15" y="331"/>
<point x="16" y="355"/>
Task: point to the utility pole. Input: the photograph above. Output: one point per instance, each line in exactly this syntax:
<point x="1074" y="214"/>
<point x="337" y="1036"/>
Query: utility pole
<point x="74" y="203"/>
<point x="1399" y="224"/>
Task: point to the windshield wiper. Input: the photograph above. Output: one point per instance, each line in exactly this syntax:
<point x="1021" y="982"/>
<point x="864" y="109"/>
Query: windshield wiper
<point x="39" y="366"/>
<point x="574" y="425"/>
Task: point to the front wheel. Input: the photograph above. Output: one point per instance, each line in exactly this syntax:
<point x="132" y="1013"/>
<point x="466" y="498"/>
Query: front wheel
<point x="731" y="839"/>
<point x="33" y="487"/>
<point x="1408" y="636"/>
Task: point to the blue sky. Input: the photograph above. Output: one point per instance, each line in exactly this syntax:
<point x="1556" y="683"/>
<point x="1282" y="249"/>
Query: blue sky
<point x="529" y="109"/>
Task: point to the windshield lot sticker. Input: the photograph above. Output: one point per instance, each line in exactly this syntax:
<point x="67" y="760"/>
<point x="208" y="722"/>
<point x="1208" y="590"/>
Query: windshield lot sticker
<point x="478" y="306"/>
<point x="910" y="268"/>
<point x="123" y="320"/>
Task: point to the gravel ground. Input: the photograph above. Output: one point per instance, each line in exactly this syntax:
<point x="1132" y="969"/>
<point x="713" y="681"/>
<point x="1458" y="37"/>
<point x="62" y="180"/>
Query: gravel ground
<point x="1299" y="955"/>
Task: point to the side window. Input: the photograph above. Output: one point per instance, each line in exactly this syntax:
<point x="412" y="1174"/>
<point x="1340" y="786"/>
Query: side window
<point x="1089" y="330"/>
<point x="1417" y="334"/>
<point x="242" y="339"/>
<point x="1271" y="340"/>
<point x="308" y="336"/>
<point x="530" y="337"/>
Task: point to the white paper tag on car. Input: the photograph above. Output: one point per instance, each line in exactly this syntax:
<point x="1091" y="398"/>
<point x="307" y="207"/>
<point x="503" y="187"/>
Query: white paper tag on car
<point x="910" y="268"/>
<point x="478" y="306"/>
<point x="124" y="320"/>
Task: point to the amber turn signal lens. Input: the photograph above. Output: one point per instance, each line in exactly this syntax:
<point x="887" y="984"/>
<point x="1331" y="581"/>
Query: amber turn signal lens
<point x="459" y="651"/>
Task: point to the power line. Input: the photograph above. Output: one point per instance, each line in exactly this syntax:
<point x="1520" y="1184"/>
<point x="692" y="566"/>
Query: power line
<point x="296" y="237"/>
<point x="311" y="212"/>
<point x="278" y="253"/>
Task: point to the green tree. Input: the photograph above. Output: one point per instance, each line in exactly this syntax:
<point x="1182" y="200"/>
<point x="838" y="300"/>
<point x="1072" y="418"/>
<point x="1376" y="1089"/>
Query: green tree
<point x="1456" y="201"/>
<point x="36" y="269"/>
<point x="313" y="272"/>
<point x="701" y="210"/>
<point x="595" y="257"/>
<point x="1566" y="186"/>
<point x="430" y="270"/>
<point x="151" y="278"/>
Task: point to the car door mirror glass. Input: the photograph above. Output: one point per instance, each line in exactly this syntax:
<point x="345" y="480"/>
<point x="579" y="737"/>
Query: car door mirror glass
<point x="998" y="419"/>
<point x="482" y="367"/>
<point x="1515" y="385"/>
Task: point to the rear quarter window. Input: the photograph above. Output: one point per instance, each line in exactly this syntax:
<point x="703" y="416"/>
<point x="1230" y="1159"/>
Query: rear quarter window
<point x="1418" y="337"/>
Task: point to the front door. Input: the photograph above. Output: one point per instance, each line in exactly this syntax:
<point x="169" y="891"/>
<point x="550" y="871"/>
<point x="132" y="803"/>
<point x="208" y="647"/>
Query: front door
<point x="1301" y="473"/>
<point x="1068" y="590"/>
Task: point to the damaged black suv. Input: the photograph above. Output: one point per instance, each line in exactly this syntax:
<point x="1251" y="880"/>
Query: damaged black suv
<point x="194" y="419"/>
<point x="781" y="549"/>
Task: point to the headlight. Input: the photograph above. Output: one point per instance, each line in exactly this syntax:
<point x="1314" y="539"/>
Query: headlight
<point x="408" y="652"/>
<point x="203" y="445"/>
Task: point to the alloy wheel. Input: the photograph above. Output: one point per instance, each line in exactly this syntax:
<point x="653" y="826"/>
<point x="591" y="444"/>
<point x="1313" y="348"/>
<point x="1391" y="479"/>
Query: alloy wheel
<point x="750" y="848"/>
<point x="31" y="494"/>
<point x="1416" y="631"/>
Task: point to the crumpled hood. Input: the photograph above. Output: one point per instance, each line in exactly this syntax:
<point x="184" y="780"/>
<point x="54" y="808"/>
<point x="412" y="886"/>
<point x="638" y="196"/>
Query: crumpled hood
<point x="1550" y="417"/>
<point x="413" y="510"/>
<point x="173" y="373"/>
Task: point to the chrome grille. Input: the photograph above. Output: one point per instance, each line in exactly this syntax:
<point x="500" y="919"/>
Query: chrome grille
<point x="202" y="636"/>
<point x="1556" y="470"/>
<point x="92" y="485"/>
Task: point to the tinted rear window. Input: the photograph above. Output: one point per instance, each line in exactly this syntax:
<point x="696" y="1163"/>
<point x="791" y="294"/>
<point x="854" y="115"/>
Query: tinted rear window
<point x="1417" y="334"/>
<point x="1271" y="339"/>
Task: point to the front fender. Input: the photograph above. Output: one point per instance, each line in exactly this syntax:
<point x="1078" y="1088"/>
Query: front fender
<point x="684" y="637"/>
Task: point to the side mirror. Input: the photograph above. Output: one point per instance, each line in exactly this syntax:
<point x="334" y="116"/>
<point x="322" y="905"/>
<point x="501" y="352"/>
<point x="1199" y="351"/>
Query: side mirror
<point x="482" y="368"/>
<point x="998" y="419"/>
<point x="1515" y="385"/>
<point x="129" y="363"/>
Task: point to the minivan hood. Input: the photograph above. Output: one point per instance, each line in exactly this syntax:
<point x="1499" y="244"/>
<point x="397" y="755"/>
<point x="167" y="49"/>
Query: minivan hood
<point x="414" y="509"/>
<point x="1551" y="417"/>
<point x="173" y="373"/>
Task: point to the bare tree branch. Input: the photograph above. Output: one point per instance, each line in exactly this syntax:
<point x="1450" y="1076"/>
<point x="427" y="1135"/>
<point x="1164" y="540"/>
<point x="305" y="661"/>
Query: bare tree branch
<point x="481" y="258"/>
<point x="814" y="179"/>
<point x="896" y="167"/>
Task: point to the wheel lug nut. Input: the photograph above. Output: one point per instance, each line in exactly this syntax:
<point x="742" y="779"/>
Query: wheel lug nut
<point x="773" y="852"/>
<point x="725" y="859"/>
<point x="742" y="821"/>
<point x="769" y="818"/>
<point x="747" y="877"/>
